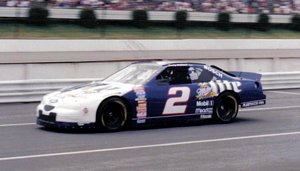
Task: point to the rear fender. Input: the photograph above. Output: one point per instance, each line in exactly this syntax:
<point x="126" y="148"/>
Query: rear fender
<point x="236" y="95"/>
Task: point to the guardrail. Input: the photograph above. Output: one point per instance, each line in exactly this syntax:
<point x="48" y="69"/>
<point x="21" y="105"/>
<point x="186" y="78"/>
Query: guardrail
<point x="33" y="90"/>
<point x="281" y="80"/>
<point x="153" y="15"/>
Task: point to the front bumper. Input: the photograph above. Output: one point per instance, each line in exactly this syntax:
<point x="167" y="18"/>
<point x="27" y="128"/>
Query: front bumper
<point x="62" y="118"/>
<point x="65" y="125"/>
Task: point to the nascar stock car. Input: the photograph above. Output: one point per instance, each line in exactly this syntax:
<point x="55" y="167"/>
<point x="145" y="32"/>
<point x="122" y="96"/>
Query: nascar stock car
<point x="153" y="92"/>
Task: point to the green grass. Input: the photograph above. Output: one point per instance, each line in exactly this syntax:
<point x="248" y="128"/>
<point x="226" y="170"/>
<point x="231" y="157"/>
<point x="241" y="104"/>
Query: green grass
<point x="70" y="31"/>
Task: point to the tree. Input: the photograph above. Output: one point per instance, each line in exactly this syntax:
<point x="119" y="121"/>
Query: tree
<point x="295" y="22"/>
<point x="181" y="19"/>
<point x="87" y="18"/>
<point x="140" y="18"/>
<point x="223" y="21"/>
<point x="263" y="23"/>
<point x="38" y="16"/>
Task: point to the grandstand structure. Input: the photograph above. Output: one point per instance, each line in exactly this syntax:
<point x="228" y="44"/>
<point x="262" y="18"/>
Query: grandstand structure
<point x="208" y="6"/>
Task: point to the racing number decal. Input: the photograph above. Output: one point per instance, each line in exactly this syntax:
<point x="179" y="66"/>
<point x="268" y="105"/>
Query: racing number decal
<point x="171" y="107"/>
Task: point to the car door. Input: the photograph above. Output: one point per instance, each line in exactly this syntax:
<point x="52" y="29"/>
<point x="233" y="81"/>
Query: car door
<point x="173" y="94"/>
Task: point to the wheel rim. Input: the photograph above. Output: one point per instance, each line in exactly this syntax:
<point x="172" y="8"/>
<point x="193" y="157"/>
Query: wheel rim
<point x="113" y="116"/>
<point x="227" y="109"/>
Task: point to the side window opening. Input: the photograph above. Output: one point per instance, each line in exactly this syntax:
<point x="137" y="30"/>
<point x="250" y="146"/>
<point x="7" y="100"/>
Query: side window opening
<point x="206" y="76"/>
<point x="175" y="75"/>
<point x="185" y="75"/>
<point x="198" y="74"/>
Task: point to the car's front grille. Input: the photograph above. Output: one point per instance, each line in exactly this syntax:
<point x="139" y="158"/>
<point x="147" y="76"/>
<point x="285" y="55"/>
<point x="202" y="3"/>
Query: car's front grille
<point x="49" y="118"/>
<point x="48" y="107"/>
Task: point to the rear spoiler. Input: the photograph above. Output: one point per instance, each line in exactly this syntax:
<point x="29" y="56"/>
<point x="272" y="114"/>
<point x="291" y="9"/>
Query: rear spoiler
<point x="247" y="75"/>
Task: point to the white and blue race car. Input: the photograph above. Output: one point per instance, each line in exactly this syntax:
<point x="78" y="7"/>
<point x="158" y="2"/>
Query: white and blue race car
<point x="153" y="92"/>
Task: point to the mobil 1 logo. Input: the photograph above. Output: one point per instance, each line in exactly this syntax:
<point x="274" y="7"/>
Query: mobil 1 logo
<point x="204" y="103"/>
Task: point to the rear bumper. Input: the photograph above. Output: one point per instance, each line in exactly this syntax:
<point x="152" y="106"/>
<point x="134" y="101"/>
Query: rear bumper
<point x="253" y="103"/>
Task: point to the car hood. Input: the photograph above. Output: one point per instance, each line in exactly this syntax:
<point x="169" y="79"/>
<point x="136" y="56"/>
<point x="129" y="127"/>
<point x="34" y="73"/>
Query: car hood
<point x="95" y="89"/>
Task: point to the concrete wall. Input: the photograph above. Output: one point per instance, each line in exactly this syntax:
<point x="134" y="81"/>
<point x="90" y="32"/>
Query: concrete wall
<point x="64" y="59"/>
<point x="12" y="45"/>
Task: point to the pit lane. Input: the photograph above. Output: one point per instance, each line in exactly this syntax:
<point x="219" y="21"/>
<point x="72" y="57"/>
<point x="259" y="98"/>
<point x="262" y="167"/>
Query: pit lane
<point x="263" y="138"/>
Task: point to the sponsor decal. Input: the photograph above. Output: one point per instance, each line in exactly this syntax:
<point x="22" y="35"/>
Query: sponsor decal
<point x="141" y="113"/>
<point x="205" y="103"/>
<point x="140" y="121"/>
<point x="140" y="99"/>
<point x="90" y="91"/>
<point x="236" y="86"/>
<point x="204" y="111"/>
<point x="179" y="65"/>
<point x="53" y="100"/>
<point x="205" y="91"/>
<point x="142" y="104"/>
<point x="140" y="93"/>
<point x="85" y="110"/>
<point x="216" y="72"/>
<point x="226" y="85"/>
<point x="205" y="116"/>
<point x="253" y="103"/>
<point x="141" y="108"/>
<point x="213" y="88"/>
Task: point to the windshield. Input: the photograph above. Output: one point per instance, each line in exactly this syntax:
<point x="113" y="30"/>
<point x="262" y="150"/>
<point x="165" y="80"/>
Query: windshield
<point x="134" y="74"/>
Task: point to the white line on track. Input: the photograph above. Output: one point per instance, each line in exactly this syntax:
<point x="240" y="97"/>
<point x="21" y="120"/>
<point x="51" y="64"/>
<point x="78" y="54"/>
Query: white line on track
<point x="285" y="92"/>
<point x="270" y="108"/>
<point x="148" y="146"/>
<point x="17" y="124"/>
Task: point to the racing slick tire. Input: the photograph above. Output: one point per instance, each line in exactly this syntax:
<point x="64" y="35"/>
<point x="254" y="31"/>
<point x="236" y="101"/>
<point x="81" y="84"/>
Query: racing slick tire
<point x="226" y="108"/>
<point x="112" y="115"/>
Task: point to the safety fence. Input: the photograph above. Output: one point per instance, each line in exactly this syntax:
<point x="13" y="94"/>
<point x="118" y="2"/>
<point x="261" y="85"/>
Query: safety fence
<point x="33" y="90"/>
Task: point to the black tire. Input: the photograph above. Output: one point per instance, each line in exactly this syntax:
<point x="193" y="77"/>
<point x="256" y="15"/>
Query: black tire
<point x="226" y="108"/>
<point x="112" y="115"/>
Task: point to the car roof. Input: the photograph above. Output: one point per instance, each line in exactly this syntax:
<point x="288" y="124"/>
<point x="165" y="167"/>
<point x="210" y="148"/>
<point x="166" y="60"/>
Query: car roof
<point x="165" y="63"/>
<point x="169" y="63"/>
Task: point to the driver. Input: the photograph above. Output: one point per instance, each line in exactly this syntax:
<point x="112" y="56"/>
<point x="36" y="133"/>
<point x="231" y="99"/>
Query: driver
<point x="194" y="74"/>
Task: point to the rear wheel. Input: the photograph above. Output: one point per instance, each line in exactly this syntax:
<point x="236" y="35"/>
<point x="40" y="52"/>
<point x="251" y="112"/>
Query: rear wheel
<point x="112" y="115"/>
<point x="226" y="108"/>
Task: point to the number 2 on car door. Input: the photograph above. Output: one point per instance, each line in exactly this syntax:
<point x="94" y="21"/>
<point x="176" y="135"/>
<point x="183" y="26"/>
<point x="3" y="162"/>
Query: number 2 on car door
<point x="172" y="106"/>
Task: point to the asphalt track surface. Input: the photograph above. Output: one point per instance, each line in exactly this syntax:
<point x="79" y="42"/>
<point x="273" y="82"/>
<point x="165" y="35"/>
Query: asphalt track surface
<point x="263" y="138"/>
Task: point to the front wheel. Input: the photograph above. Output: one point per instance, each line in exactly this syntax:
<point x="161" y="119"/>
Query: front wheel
<point x="226" y="108"/>
<point x="112" y="115"/>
